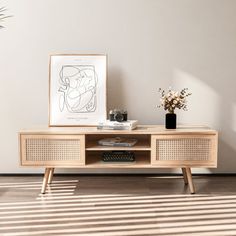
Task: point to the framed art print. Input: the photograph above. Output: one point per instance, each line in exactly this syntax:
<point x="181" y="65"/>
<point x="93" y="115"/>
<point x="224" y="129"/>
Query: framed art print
<point x="77" y="90"/>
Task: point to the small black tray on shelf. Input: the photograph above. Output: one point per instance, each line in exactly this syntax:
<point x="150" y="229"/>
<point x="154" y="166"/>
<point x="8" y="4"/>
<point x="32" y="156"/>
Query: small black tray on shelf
<point x="118" y="156"/>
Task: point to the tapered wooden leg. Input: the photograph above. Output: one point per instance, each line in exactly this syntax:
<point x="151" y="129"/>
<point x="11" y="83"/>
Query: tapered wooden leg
<point x="50" y="175"/>
<point x="190" y="181"/>
<point x="185" y="176"/>
<point x="45" y="180"/>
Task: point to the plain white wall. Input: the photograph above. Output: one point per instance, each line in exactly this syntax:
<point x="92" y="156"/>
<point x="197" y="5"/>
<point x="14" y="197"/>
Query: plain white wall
<point x="150" y="44"/>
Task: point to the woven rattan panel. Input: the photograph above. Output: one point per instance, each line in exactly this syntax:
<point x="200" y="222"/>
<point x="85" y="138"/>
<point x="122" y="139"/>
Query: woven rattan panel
<point x="197" y="149"/>
<point x="52" y="149"/>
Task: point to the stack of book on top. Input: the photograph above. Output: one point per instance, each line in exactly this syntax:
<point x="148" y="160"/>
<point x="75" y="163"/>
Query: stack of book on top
<point x="115" y="125"/>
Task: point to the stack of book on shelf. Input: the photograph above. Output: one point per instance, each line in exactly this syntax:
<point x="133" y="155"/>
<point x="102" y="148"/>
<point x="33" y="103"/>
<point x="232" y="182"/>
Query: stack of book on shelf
<point x="115" y="125"/>
<point x="118" y="142"/>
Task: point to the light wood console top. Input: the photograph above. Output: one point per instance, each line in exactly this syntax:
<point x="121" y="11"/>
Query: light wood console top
<point x="141" y="129"/>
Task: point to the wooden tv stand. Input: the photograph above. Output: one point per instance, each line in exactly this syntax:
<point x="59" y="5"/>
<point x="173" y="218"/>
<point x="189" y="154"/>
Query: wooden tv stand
<point x="186" y="147"/>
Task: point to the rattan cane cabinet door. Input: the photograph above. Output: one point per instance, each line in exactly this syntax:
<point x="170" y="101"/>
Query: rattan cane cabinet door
<point x="184" y="150"/>
<point x="52" y="150"/>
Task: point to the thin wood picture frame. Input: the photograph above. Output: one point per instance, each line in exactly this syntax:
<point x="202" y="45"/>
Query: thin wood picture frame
<point x="77" y="89"/>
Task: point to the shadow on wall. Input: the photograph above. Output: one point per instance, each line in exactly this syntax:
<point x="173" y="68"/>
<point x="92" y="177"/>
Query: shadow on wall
<point x="115" y="89"/>
<point x="213" y="103"/>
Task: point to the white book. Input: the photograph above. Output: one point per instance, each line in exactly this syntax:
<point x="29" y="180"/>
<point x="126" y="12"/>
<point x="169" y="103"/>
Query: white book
<point x="115" y="125"/>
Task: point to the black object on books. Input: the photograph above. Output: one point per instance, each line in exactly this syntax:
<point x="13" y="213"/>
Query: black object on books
<point x="118" y="142"/>
<point x="118" y="156"/>
<point x="118" y="115"/>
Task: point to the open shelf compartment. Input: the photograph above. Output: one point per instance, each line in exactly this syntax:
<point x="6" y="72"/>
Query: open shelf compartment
<point x="143" y="143"/>
<point x="94" y="159"/>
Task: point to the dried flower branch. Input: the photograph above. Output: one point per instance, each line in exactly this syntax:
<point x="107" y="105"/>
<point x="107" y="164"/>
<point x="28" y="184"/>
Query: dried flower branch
<point x="171" y="100"/>
<point x="3" y="16"/>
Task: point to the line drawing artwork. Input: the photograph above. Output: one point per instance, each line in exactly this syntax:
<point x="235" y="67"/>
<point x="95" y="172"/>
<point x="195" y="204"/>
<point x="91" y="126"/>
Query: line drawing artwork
<point x="78" y="87"/>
